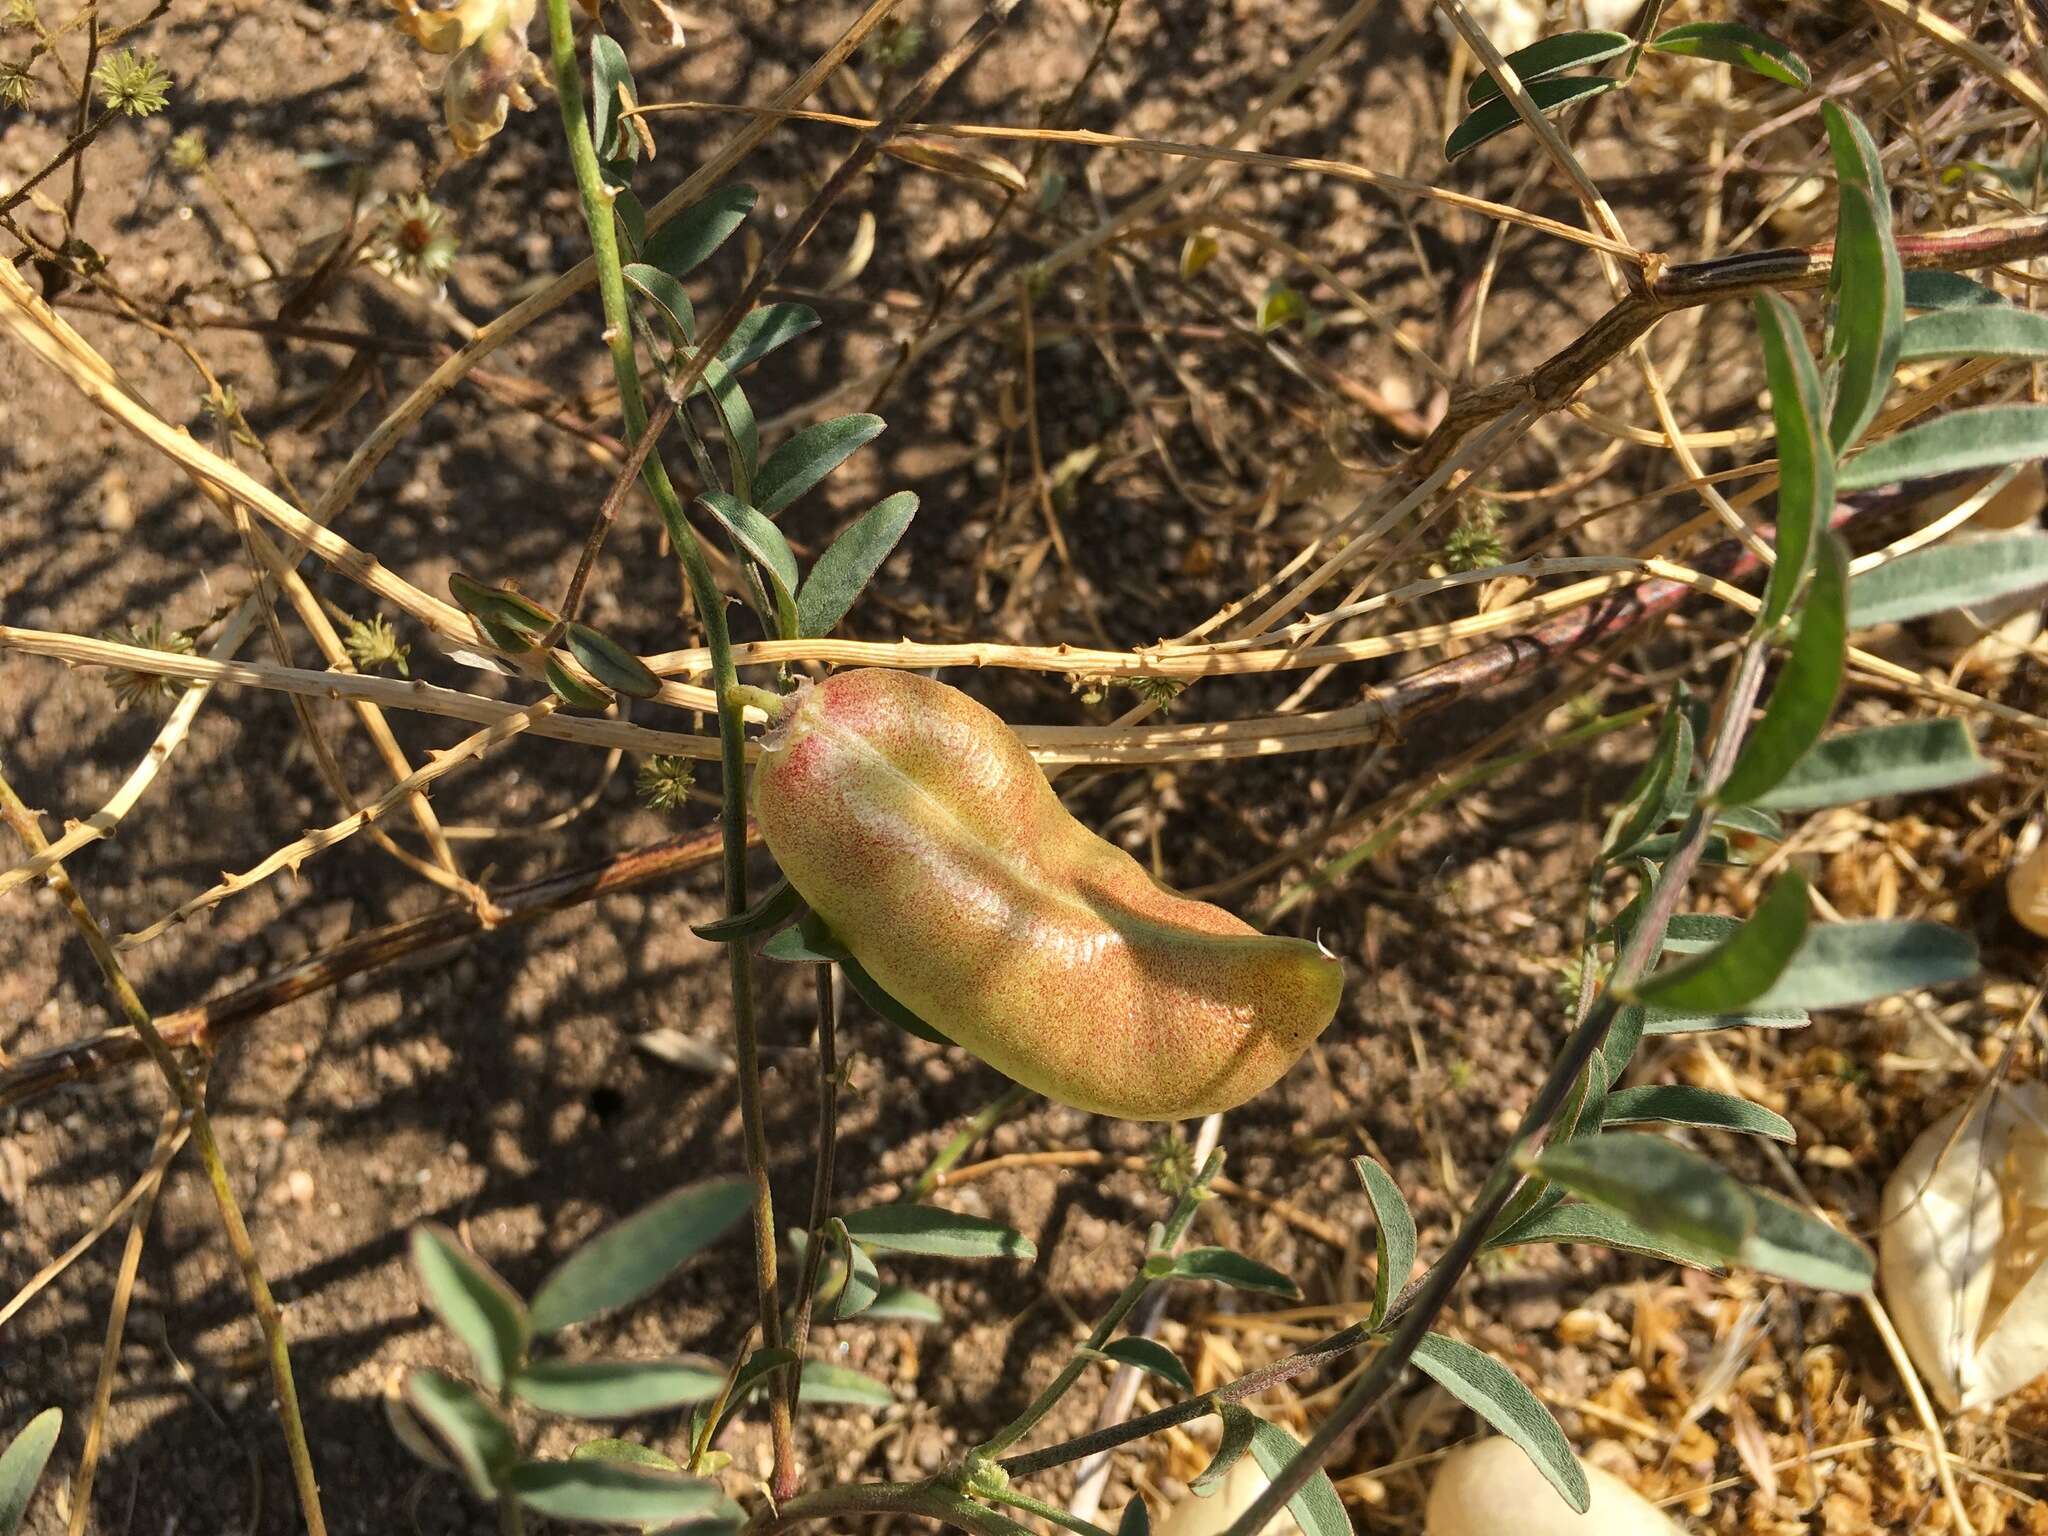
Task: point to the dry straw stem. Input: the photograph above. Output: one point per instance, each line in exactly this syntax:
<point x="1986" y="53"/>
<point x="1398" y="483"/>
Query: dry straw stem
<point x="167" y="1148"/>
<point x="206" y="1025"/>
<point x="169" y="1138"/>
<point x="190" y="1099"/>
<point x="408" y="413"/>
<point x="1218" y="154"/>
<point x="469" y="749"/>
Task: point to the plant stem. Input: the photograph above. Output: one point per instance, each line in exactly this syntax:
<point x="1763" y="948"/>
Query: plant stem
<point x="1052" y="1512"/>
<point x="268" y="1317"/>
<point x="1251" y="1384"/>
<point x="1434" y="1291"/>
<point x="1176" y="1225"/>
<point x="79" y="141"/>
<point x="611" y="288"/>
<point x="986" y="1119"/>
<point x="932" y="1500"/>
<point x="821" y="1178"/>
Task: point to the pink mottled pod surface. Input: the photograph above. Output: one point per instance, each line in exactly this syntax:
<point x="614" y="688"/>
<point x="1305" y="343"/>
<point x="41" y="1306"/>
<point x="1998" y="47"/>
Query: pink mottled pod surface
<point x="916" y="824"/>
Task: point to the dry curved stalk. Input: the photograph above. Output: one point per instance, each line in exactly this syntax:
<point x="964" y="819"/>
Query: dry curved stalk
<point x="1223" y="154"/>
<point x="167" y="1147"/>
<point x="292" y="854"/>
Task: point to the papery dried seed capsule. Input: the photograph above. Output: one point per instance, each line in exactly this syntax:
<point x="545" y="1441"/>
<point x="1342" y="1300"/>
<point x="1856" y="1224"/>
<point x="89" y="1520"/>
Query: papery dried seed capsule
<point x="916" y="824"/>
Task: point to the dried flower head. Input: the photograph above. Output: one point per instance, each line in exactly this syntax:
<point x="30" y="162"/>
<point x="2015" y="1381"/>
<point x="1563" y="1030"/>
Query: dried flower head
<point x="188" y="152"/>
<point x="665" y="781"/>
<point x="21" y="13"/>
<point x="894" y="43"/>
<point x="151" y="691"/>
<point x="224" y="409"/>
<point x="1159" y="692"/>
<point x="373" y="644"/>
<point x="1173" y="1164"/>
<point x="487" y="78"/>
<point x="414" y="240"/>
<point x="17" y="85"/>
<point x="443" y="27"/>
<point x="133" y="83"/>
<point x="1475" y="544"/>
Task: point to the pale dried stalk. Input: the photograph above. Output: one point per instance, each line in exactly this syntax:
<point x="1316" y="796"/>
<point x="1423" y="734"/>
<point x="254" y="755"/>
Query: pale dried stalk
<point x="1915" y="14"/>
<point x="410" y="411"/>
<point x="51" y="338"/>
<point x="1051" y="745"/>
<point x="292" y="854"/>
<point x="169" y="738"/>
<point x="1222" y="154"/>
<point x="167" y="1148"/>
<point x="1545" y="130"/>
<point x="169" y="1137"/>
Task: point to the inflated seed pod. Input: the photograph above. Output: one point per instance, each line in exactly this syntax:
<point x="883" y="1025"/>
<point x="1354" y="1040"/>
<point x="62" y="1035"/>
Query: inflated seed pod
<point x="916" y="824"/>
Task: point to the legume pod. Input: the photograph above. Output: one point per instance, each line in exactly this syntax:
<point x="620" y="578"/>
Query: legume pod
<point x="916" y="824"/>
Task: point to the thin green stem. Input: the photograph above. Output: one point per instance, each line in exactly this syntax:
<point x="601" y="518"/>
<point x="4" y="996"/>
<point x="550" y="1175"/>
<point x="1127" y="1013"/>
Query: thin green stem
<point x="268" y="1316"/>
<point x="1045" y="1511"/>
<point x="932" y="1500"/>
<point x="1168" y="1236"/>
<point x="611" y="287"/>
<point x="986" y="1119"/>
<point x="1432" y="1294"/>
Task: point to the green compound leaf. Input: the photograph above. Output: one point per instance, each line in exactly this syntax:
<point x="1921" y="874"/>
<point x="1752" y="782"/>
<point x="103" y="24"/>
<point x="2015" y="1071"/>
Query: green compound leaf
<point x="1683" y="1104"/>
<point x="1808" y="684"/>
<point x="1498" y="1396"/>
<point x="1725" y="42"/>
<point x="625" y="1262"/>
<point x="1948" y="290"/>
<point x="693" y="234"/>
<point x="1870" y="313"/>
<point x="1989" y="437"/>
<point x="900" y="1304"/>
<point x="1663" y="787"/>
<point x="762" y="331"/>
<point x="1985" y="331"/>
<point x="808" y="457"/>
<point x="617" y="1389"/>
<point x="21" y="1466"/>
<point x="762" y="542"/>
<point x="1843" y="964"/>
<point x="862" y="1283"/>
<point x="479" y="1308"/>
<point x="593" y="1492"/>
<point x="772" y="908"/>
<point x="1316" y="1508"/>
<point x="1149" y="1355"/>
<point x="1795" y="1246"/>
<point x="1659" y="1185"/>
<point x="1499" y="115"/>
<point x="1238" y="1424"/>
<point x="470" y="1428"/>
<point x="1549" y="56"/>
<point x="1602" y="1226"/>
<point x="668" y="296"/>
<point x="841" y="1386"/>
<point x="1948" y="576"/>
<point x="927" y="1229"/>
<point x="610" y="662"/>
<point x="571" y="689"/>
<point x="1914" y="758"/>
<point x="1743" y="968"/>
<point x="1393" y="1236"/>
<point x="842" y="573"/>
<point x="1806" y="464"/>
<point x="1232" y="1269"/>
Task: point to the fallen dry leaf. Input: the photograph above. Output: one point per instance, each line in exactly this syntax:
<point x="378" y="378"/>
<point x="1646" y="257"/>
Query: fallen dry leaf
<point x="1960" y="1257"/>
